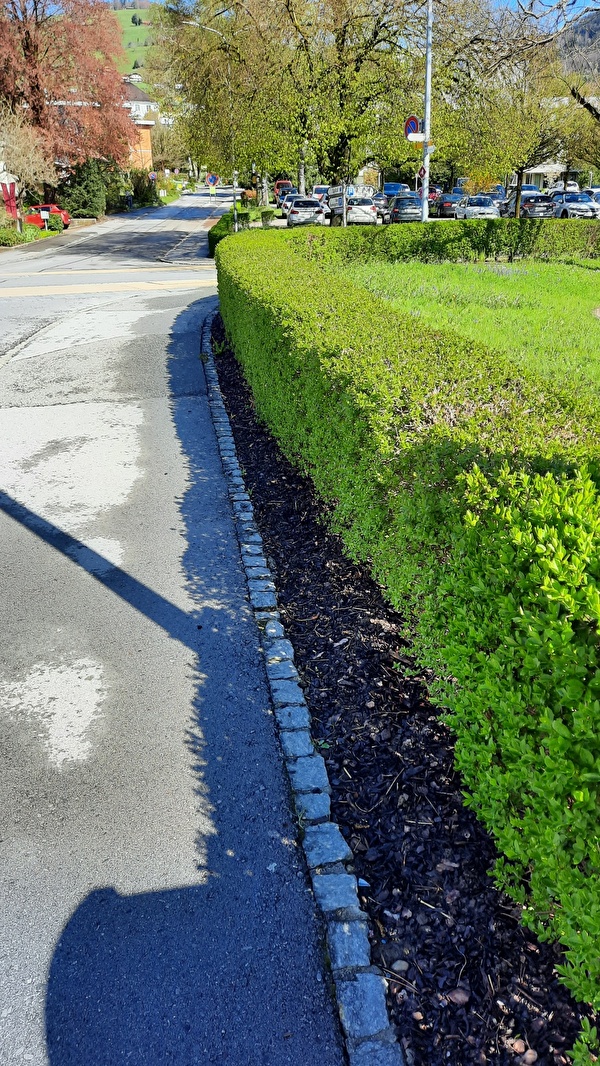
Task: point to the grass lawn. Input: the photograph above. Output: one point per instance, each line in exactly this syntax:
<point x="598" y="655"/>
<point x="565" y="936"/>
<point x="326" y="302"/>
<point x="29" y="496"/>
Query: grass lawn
<point x="136" y="40"/>
<point x="542" y="314"/>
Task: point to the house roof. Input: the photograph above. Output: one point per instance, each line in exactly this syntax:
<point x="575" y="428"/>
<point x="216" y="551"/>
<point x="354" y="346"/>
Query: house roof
<point x="134" y="93"/>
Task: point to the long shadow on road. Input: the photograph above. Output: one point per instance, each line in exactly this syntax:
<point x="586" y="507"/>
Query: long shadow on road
<point x="224" y="969"/>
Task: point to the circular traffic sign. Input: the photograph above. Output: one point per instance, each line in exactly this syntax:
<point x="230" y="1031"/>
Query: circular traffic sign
<point x="411" y="125"/>
<point x="212" y="179"/>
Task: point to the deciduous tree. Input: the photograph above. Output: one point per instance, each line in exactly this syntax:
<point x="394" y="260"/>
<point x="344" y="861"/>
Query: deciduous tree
<point x="57" y="62"/>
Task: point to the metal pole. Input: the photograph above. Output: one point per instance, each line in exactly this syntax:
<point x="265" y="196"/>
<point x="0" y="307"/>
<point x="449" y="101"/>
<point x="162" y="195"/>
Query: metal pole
<point x="427" y="123"/>
<point x="234" y="203"/>
<point x="344" y="206"/>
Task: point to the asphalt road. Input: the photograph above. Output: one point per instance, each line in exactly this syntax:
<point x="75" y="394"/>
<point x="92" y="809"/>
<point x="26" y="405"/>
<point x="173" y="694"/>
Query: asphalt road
<point x="153" y="906"/>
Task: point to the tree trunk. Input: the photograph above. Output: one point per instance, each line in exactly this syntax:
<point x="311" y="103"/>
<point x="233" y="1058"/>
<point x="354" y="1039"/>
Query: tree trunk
<point x="301" y="172"/>
<point x="518" y="196"/>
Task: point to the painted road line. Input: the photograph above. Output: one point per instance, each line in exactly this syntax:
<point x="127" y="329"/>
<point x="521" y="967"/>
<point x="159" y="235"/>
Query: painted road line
<point x="200" y="267"/>
<point x="119" y="286"/>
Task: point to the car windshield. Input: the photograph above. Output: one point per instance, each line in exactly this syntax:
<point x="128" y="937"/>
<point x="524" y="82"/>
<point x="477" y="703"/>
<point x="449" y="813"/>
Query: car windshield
<point x="536" y="198"/>
<point x="361" y="201"/>
<point x="402" y="201"/>
<point x="306" y="203"/>
<point x="480" y="201"/>
<point x="577" y="198"/>
<point x="320" y="188"/>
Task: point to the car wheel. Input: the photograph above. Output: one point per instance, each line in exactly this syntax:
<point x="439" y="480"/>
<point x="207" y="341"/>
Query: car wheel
<point x="564" y="214"/>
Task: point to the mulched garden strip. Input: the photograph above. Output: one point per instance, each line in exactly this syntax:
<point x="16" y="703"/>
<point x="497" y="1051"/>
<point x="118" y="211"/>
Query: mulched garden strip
<point x="467" y="984"/>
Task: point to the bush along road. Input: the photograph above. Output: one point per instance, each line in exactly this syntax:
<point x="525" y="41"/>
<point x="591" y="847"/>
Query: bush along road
<point x="471" y="487"/>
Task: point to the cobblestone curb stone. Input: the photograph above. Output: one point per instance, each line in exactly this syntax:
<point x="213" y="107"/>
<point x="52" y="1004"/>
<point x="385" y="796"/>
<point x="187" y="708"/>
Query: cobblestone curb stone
<point x="360" y="987"/>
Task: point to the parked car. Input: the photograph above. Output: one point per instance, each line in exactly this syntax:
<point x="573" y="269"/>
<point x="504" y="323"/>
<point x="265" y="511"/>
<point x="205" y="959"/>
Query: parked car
<point x="305" y="211"/>
<point x="319" y="191"/>
<point x="574" y="205"/>
<point x="476" y="207"/>
<point x="593" y="191"/>
<point x="533" y="205"/>
<point x="497" y="197"/>
<point x="445" y="205"/>
<point x="362" y="211"/>
<point x="559" y="186"/>
<point x="383" y="208"/>
<point x="281" y="188"/>
<point x="287" y="200"/>
<point x="394" y="188"/>
<point x="33" y="218"/>
<point x="406" y="208"/>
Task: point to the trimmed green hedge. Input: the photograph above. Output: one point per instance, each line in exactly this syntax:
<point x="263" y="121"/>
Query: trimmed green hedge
<point x="471" y="488"/>
<point x="498" y="238"/>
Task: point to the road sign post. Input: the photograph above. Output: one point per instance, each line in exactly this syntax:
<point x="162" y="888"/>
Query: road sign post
<point x="427" y="121"/>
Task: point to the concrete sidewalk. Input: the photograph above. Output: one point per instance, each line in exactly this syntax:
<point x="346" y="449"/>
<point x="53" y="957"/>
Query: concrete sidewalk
<point x="155" y="905"/>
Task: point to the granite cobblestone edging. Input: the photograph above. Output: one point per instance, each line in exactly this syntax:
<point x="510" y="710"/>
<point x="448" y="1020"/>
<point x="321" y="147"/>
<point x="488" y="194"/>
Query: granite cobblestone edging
<point x="360" y="987"/>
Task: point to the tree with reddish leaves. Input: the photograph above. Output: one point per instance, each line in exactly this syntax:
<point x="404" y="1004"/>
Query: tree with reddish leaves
<point x="57" y="63"/>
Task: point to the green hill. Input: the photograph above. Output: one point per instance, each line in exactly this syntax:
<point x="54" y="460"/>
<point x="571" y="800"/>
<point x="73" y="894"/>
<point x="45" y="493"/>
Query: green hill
<point x="136" y="39"/>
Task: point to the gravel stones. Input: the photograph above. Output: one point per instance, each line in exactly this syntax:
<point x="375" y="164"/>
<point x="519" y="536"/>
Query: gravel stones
<point x="359" y="986"/>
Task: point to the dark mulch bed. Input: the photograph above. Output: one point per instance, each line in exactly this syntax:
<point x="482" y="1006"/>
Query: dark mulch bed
<point x="467" y="984"/>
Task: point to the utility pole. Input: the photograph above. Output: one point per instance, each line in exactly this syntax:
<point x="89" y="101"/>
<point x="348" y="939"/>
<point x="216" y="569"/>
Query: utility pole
<point x="427" y="116"/>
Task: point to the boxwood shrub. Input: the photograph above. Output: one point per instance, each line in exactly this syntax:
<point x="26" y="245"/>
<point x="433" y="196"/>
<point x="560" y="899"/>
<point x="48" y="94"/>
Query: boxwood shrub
<point x="471" y="487"/>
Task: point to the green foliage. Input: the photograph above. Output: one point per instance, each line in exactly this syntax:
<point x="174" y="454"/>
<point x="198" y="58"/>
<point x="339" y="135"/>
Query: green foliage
<point x="9" y="237"/>
<point x="587" y="1048"/>
<point x="458" y="241"/>
<point x="222" y="229"/>
<point x="56" y="224"/>
<point x="83" y="193"/>
<point x="542" y="314"/>
<point x="144" y="190"/>
<point x="471" y="486"/>
<point x="266" y="216"/>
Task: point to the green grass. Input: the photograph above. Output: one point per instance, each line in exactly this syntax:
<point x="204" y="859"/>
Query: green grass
<point x="133" y="38"/>
<point x="541" y="314"/>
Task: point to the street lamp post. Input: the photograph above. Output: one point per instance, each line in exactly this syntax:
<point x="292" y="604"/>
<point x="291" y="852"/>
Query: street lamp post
<point x="427" y="116"/>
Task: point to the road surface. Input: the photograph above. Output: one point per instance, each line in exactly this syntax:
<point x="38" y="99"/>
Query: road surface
<point x="153" y="906"/>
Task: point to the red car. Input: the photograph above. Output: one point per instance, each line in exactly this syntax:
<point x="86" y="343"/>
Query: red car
<point x="35" y="219"/>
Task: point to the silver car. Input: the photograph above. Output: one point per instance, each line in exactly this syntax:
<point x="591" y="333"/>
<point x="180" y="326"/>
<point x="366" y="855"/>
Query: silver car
<point x="575" y="205"/>
<point x="476" y="207"/>
<point x="305" y="212"/>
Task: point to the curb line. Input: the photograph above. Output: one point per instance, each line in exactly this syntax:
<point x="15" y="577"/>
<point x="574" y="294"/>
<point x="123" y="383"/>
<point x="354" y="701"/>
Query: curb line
<point x="360" y="988"/>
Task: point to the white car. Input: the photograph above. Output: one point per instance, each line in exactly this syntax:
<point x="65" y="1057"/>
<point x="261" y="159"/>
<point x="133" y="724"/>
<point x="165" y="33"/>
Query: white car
<point x="476" y="207"/>
<point x="306" y="211"/>
<point x="575" y="205"/>
<point x="287" y="202"/>
<point x="361" y="210"/>
<point x="559" y="186"/>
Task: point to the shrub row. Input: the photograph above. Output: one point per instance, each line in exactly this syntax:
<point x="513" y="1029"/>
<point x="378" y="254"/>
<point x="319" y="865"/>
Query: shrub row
<point x="471" y="488"/>
<point x="499" y="238"/>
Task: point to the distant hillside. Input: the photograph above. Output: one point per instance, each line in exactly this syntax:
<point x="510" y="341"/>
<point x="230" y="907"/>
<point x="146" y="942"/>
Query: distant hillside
<point x="580" y="47"/>
<point x="136" y="39"/>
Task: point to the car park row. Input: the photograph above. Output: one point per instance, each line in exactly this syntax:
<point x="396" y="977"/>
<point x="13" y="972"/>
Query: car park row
<point x="398" y="203"/>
